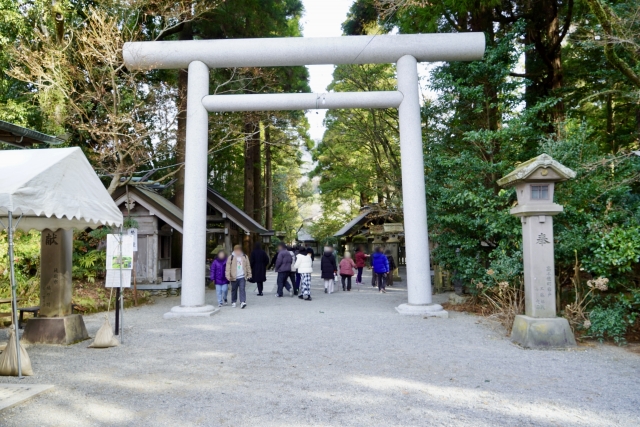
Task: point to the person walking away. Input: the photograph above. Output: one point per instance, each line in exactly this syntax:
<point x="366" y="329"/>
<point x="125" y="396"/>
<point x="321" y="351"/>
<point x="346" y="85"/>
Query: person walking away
<point x="346" y="271"/>
<point x="283" y="268"/>
<point x="392" y="267"/>
<point x="238" y="271"/>
<point x="259" y="262"/>
<point x="328" y="268"/>
<point x="297" y="251"/>
<point x="380" y="265"/>
<point x="304" y="265"/>
<point x="311" y="254"/>
<point x="219" y="278"/>
<point x="361" y="260"/>
<point x="272" y="264"/>
<point x="292" y="274"/>
<point x="374" y="281"/>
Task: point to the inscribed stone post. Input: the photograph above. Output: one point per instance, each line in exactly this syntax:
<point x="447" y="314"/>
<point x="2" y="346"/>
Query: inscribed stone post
<point x="55" y="273"/>
<point x="539" y="270"/>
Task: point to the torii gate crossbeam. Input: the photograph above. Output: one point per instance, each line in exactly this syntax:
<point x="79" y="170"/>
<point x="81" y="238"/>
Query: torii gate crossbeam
<point x="404" y="50"/>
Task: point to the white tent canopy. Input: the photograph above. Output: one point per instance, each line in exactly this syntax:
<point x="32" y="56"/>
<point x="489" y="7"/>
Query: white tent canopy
<point x="54" y="188"/>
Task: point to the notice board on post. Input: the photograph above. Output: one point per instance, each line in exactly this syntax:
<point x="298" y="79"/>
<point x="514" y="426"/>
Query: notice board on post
<point x="119" y="260"/>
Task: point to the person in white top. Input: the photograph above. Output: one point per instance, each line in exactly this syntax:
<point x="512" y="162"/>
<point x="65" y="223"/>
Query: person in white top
<point x="305" y="268"/>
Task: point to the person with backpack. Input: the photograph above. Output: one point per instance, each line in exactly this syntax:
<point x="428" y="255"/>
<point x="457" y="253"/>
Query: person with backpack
<point x="304" y="265"/>
<point x="380" y="265"/>
<point x="392" y="267"/>
<point x="218" y="277"/>
<point x="328" y="268"/>
<point x="238" y="271"/>
<point x="346" y="271"/>
<point x="259" y="262"/>
<point x="283" y="268"/>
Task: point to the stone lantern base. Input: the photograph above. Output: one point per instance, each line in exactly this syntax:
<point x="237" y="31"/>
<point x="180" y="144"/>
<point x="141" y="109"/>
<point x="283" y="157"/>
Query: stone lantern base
<point x="542" y="333"/>
<point x="63" y="330"/>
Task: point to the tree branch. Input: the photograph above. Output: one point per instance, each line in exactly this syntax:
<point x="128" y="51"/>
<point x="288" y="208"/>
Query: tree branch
<point x="605" y="16"/>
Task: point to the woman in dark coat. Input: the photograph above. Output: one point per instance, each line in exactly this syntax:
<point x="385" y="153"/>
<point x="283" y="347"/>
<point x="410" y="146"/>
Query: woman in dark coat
<point x="328" y="268"/>
<point x="259" y="261"/>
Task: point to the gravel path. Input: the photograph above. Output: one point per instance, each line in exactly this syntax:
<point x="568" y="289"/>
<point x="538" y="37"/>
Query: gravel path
<point x="346" y="359"/>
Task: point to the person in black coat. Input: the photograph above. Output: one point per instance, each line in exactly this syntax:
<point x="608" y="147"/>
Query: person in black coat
<point x="259" y="261"/>
<point x="272" y="264"/>
<point x="328" y="268"/>
<point x="392" y="267"/>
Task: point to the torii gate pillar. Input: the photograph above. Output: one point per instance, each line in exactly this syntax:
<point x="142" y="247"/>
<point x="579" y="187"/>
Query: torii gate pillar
<point x="414" y="200"/>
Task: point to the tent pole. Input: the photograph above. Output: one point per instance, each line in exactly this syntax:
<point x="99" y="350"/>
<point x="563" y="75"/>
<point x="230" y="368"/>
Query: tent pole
<point x="14" y="300"/>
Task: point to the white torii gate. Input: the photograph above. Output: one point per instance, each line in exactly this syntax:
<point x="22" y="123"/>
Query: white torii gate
<point x="404" y="50"/>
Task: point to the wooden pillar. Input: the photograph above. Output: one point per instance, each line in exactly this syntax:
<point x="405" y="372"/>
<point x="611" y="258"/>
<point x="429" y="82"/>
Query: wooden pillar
<point x="228" y="246"/>
<point x="246" y="243"/>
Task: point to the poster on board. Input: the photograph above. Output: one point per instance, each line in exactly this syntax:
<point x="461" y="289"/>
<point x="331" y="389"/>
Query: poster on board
<point x="115" y="260"/>
<point x="112" y="279"/>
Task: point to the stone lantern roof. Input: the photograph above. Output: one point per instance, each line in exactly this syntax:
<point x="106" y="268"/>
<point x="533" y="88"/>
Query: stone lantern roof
<point x="525" y="170"/>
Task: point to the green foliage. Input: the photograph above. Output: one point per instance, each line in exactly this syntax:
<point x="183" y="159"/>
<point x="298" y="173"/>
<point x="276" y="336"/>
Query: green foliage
<point x="358" y="159"/>
<point x="288" y="130"/>
<point x="470" y="143"/>
<point x="359" y="155"/>
<point x="287" y="193"/>
<point x="88" y="261"/>
<point x="326" y="226"/>
<point x="601" y="208"/>
<point x="129" y="222"/>
<point x="611" y="321"/>
<point x="27" y="265"/>
<point x="619" y="249"/>
<point x="14" y="102"/>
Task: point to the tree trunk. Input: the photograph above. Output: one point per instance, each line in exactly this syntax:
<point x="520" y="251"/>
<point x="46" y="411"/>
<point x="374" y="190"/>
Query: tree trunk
<point x="364" y="200"/>
<point x="638" y="121"/>
<point x="268" y="179"/>
<point x="115" y="183"/>
<point x="181" y="143"/>
<point x="609" y="109"/>
<point x="545" y="32"/>
<point x="181" y="139"/>
<point x="257" y="175"/>
<point x="249" y="185"/>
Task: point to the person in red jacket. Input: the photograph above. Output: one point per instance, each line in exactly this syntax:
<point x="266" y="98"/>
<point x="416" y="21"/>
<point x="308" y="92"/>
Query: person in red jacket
<point x="361" y="260"/>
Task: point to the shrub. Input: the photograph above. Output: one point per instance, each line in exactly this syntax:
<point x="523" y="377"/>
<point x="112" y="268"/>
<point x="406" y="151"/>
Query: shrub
<point x="27" y="265"/>
<point x="609" y="323"/>
<point x="615" y="251"/>
<point x="505" y="298"/>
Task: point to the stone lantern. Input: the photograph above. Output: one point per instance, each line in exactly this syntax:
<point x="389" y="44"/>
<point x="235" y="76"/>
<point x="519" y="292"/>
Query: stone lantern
<point x="534" y="181"/>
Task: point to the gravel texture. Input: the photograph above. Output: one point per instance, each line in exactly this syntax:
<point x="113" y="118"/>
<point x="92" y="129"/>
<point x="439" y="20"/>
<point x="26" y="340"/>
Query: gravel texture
<point x="345" y="359"/>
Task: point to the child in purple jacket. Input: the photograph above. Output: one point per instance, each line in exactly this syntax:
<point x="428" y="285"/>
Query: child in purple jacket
<point x="218" y="277"/>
